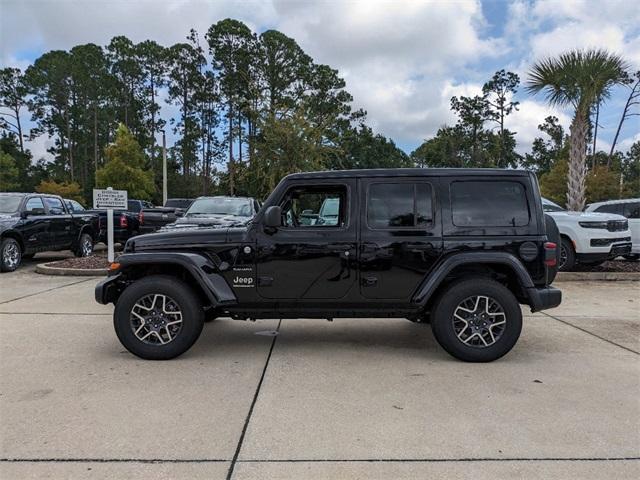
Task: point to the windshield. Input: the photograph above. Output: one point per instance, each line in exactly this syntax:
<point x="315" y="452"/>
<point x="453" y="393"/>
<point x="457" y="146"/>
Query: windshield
<point x="221" y="206"/>
<point x="9" y="203"/>
<point x="549" y="206"/>
<point x="178" y="203"/>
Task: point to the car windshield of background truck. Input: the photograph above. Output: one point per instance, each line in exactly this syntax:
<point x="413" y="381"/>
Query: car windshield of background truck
<point x="489" y="204"/>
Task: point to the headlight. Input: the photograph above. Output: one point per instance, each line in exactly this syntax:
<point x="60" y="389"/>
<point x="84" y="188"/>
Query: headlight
<point x="593" y="224"/>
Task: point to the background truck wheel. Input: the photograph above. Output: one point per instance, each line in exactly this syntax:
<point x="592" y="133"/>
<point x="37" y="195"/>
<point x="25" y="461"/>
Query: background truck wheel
<point x="632" y="257"/>
<point x="85" y="246"/>
<point x="476" y="320"/>
<point x="567" y="258"/>
<point x="10" y="255"/>
<point x="158" y="318"/>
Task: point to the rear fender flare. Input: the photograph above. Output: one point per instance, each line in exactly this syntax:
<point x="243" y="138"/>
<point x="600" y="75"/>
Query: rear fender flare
<point x="437" y="276"/>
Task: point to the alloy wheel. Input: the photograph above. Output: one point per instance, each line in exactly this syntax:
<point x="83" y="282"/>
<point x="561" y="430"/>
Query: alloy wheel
<point x="479" y="321"/>
<point x="86" y="247"/>
<point x="563" y="257"/>
<point x="11" y="255"/>
<point x="156" y="319"/>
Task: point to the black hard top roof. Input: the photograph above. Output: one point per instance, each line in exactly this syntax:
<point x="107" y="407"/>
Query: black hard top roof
<point x="410" y="172"/>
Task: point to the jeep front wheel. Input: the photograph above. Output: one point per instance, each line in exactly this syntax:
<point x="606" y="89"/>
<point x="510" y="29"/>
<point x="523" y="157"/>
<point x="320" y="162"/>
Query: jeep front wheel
<point x="158" y="318"/>
<point x="477" y="320"/>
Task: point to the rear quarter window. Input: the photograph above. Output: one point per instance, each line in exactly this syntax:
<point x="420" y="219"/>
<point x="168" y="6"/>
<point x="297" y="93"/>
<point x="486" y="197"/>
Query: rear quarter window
<point x="489" y="204"/>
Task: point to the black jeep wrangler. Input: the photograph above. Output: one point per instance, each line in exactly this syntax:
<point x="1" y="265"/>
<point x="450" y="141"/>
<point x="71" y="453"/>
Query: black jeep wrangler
<point x="460" y="249"/>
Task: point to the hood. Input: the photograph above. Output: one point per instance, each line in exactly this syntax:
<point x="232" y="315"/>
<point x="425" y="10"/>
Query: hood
<point x="209" y="221"/>
<point x="7" y="221"/>
<point x="178" y="239"/>
<point x="587" y="216"/>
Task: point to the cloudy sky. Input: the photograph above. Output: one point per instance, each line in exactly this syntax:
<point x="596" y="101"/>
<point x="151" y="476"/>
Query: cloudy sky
<point x="402" y="60"/>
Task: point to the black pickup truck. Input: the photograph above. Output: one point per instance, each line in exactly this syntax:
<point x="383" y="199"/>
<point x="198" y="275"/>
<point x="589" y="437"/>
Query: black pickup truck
<point x="155" y="218"/>
<point x="33" y="222"/>
<point x="461" y="249"/>
<point x="126" y="223"/>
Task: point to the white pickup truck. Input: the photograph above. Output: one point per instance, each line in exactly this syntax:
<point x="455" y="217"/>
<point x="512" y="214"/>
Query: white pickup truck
<point x="587" y="237"/>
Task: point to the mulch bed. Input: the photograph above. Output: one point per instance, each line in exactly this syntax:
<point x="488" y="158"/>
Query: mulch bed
<point x="92" y="262"/>
<point x="611" y="266"/>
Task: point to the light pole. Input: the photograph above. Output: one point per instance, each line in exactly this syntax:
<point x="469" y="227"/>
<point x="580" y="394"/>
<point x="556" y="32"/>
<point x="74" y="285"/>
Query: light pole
<point x="164" y="168"/>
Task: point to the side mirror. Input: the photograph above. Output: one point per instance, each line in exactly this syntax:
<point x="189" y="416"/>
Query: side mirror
<point x="179" y="213"/>
<point x="33" y="212"/>
<point x="273" y="217"/>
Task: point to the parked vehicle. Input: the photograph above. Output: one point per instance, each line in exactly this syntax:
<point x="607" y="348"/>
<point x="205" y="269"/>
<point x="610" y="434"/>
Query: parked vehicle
<point x="126" y="223"/>
<point x="157" y="217"/>
<point x="630" y="209"/>
<point x="33" y="222"/>
<point x="589" y="238"/>
<point x="219" y="211"/>
<point x="458" y="248"/>
<point x="73" y="206"/>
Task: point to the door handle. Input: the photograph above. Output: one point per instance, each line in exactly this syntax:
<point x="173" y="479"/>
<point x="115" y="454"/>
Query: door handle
<point x="419" y="247"/>
<point x="369" y="281"/>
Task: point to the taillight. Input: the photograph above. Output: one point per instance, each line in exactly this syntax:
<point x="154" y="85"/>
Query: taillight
<point x="123" y="221"/>
<point x="550" y="254"/>
<point x="141" y="218"/>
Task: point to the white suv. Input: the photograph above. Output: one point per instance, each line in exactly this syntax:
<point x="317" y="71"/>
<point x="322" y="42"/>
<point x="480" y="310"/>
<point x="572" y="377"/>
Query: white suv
<point x="587" y="237"/>
<point x="629" y="208"/>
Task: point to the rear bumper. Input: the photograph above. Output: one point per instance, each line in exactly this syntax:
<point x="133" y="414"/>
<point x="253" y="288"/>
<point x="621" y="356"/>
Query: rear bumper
<point x="544" y="298"/>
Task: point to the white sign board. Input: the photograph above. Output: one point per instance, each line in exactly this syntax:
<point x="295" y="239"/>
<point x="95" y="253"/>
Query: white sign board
<point x="109" y="199"/>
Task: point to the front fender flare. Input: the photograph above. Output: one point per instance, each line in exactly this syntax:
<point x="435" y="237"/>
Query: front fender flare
<point x="203" y="271"/>
<point x="435" y="278"/>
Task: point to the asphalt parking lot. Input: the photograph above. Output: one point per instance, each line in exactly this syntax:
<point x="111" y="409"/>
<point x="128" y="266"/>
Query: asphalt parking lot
<point x="354" y="398"/>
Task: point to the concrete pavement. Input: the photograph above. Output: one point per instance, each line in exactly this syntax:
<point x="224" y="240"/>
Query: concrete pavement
<point x="354" y="398"/>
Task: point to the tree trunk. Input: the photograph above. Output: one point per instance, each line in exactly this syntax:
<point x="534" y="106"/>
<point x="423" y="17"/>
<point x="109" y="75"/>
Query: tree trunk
<point x="95" y="143"/>
<point x="595" y="136"/>
<point x="153" y="123"/>
<point x="17" y="111"/>
<point x="577" y="163"/>
<point x="230" y="164"/>
<point x="69" y="145"/>
<point x="625" y="112"/>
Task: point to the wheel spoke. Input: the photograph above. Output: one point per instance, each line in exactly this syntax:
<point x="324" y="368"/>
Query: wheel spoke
<point x="156" y="319"/>
<point x="474" y="320"/>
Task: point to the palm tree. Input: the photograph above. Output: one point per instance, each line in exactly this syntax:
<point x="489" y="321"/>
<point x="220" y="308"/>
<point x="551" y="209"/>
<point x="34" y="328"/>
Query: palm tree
<point x="577" y="78"/>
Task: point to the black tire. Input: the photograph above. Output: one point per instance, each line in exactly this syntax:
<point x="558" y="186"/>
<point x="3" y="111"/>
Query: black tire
<point x="175" y="290"/>
<point x="10" y="255"/>
<point x="85" y="246"/>
<point x="567" y="259"/>
<point x="632" y="257"/>
<point x="444" y="330"/>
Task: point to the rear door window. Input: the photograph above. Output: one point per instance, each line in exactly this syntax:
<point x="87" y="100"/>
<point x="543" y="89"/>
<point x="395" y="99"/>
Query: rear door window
<point x="399" y="205"/>
<point x="489" y="204"/>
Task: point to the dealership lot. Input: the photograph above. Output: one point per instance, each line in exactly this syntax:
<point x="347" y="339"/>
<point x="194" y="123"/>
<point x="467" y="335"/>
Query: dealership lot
<point x="352" y="398"/>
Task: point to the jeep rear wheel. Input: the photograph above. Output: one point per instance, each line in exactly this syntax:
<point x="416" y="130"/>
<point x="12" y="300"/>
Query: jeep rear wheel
<point x="477" y="320"/>
<point x="158" y="318"/>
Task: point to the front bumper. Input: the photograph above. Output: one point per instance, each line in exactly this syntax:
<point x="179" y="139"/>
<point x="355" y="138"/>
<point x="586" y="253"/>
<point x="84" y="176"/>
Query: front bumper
<point x="608" y="253"/>
<point x="544" y="298"/>
<point x="108" y="289"/>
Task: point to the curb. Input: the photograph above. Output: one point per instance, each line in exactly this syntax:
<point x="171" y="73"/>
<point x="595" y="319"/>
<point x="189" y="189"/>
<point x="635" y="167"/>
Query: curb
<point x="598" y="276"/>
<point x="45" y="269"/>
